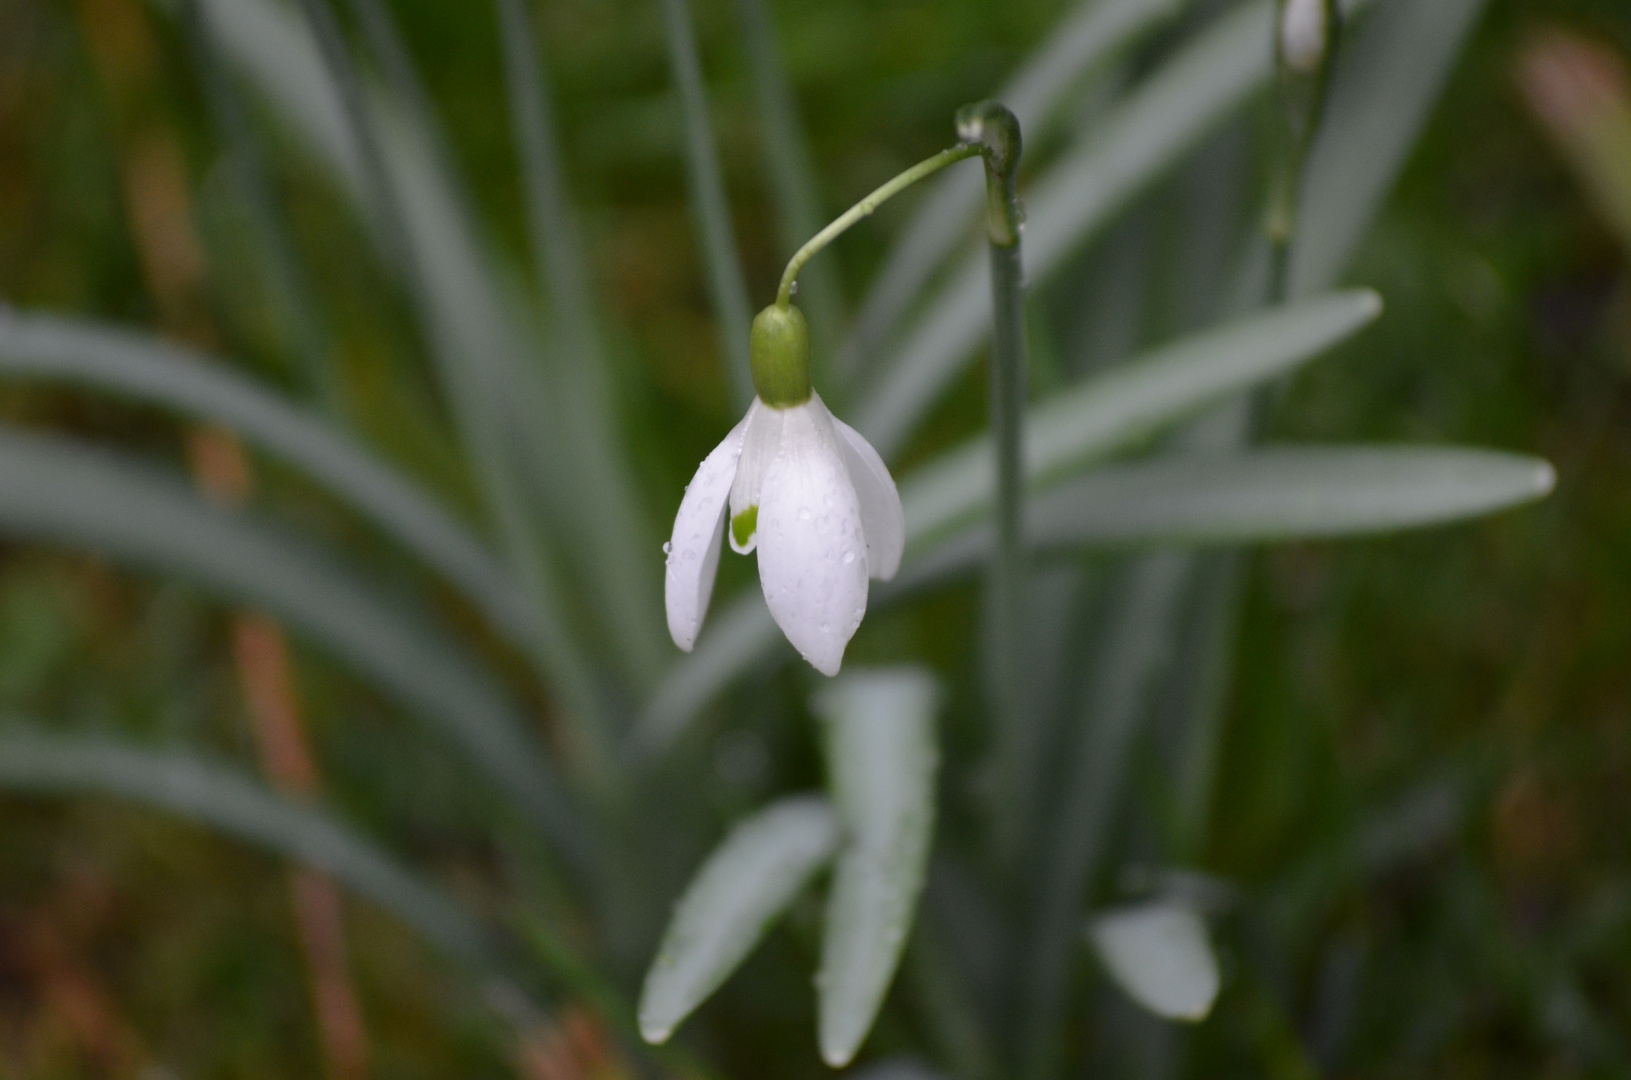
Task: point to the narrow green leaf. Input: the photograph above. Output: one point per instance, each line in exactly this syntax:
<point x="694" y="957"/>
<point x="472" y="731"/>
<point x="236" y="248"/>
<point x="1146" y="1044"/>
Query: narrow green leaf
<point x="726" y="285"/>
<point x="881" y="759"/>
<point x="752" y="877"/>
<point x="590" y="458"/>
<point x="1161" y="955"/>
<point x="59" y="491"/>
<point x="219" y="797"/>
<point x="1258" y="496"/>
<point x="1127" y="666"/>
<point x="175" y="377"/>
<point x="1095" y="30"/>
<point x="288" y="289"/>
<point x="1285" y="493"/>
<point x="1388" y="75"/>
<point x="485" y="359"/>
<point x="735" y="639"/>
<point x="1107" y="412"/>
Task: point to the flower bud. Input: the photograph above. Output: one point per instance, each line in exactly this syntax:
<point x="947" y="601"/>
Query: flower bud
<point x="779" y="348"/>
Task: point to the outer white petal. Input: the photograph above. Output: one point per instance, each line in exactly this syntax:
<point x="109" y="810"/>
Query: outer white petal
<point x="812" y="551"/>
<point x="759" y="445"/>
<point x="881" y="516"/>
<point x="693" y="551"/>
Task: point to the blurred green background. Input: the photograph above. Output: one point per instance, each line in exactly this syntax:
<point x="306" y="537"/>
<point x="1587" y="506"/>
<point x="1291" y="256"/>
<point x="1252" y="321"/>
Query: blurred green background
<point x="1367" y="672"/>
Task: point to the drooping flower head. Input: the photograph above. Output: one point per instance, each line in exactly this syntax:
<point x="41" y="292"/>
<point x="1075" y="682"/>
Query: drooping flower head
<point x="802" y="488"/>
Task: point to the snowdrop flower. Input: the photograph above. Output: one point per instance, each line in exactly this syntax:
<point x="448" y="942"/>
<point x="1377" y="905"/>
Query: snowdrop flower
<point x="804" y="489"/>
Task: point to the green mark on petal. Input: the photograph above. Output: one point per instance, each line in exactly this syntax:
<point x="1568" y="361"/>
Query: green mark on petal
<point x="744" y="525"/>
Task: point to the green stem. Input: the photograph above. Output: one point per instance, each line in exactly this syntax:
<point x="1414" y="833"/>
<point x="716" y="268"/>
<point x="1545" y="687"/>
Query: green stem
<point x="864" y="208"/>
<point x="990" y="126"/>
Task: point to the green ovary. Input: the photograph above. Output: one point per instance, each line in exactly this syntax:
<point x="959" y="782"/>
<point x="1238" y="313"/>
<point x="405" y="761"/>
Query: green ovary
<point x="744" y="525"/>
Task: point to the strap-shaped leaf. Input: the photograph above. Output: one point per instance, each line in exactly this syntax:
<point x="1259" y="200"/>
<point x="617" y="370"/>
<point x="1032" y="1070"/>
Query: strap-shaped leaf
<point x="221" y="798"/>
<point x="881" y="758"/>
<point x="1259" y="496"/>
<point x="486" y="359"/>
<point x="1107" y="412"/>
<point x="1286" y="493"/>
<point x="61" y="491"/>
<point x="1128" y="664"/>
<point x="1388" y="75"/>
<point x="175" y="377"/>
<point x="752" y="877"/>
<point x="1160" y="954"/>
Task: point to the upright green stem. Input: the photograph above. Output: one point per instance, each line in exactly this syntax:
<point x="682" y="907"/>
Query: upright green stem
<point x="864" y="208"/>
<point x="992" y="128"/>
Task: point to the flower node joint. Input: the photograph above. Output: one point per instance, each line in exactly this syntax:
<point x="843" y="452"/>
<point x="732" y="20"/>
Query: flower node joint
<point x="994" y="128"/>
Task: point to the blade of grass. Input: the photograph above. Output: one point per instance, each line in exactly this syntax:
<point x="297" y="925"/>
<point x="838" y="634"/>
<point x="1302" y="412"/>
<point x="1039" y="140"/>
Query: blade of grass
<point x="595" y="461"/>
<point x="1257" y="496"/>
<point x="289" y="291"/>
<point x="474" y="337"/>
<point x="749" y="880"/>
<point x="1096" y="29"/>
<point x="59" y="491"/>
<point x="881" y="760"/>
<point x="38" y="762"/>
<point x="175" y="377"/>
<point x="1285" y="493"/>
<point x="1133" y="655"/>
<point x="1388" y="75"/>
<point x="1127" y="403"/>
<point x="726" y="285"/>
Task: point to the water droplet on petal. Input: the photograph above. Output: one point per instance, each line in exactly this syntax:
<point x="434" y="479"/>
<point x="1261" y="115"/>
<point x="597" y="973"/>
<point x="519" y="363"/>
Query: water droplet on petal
<point x="849" y="557"/>
<point x="804" y="513"/>
<point x="667" y="547"/>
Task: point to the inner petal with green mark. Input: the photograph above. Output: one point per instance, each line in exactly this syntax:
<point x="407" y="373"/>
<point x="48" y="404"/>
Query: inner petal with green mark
<point x="744" y="525"/>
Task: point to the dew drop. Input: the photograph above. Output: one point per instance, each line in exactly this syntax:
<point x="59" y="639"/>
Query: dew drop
<point x="667" y="547"/>
<point x="849" y="557"/>
<point x="804" y="513"/>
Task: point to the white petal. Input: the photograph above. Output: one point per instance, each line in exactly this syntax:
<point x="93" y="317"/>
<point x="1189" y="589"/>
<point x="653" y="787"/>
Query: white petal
<point x="693" y="551"/>
<point x="764" y="436"/>
<point x="881" y="516"/>
<point x="812" y="552"/>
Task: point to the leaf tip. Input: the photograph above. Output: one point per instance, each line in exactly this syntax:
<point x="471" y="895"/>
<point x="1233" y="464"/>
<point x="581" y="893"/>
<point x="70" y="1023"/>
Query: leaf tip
<point x="835" y="1051"/>
<point x="1545" y="478"/>
<point x="1370" y="303"/>
<point x="655" y="1032"/>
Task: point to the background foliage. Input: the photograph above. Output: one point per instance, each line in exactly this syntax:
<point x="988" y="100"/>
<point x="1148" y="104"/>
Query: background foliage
<point x="1487" y="933"/>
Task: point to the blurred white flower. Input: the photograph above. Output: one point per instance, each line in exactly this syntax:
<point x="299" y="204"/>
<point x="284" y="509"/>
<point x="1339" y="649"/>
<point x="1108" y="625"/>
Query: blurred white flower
<point x="814" y="498"/>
